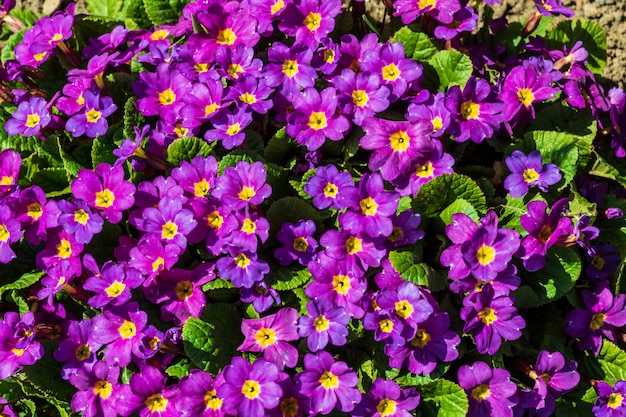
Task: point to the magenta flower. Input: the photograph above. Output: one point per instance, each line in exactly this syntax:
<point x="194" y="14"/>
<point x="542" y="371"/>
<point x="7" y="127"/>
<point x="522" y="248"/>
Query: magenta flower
<point x="522" y="87"/>
<point x="61" y="249"/>
<point x="31" y="115"/>
<point x="315" y="118"/>
<point x="112" y="285"/>
<point x="162" y="93"/>
<point x="242" y="268"/>
<point x="362" y="95"/>
<point x="242" y="185"/>
<point x="92" y="121"/>
<point x="98" y="390"/>
<point x="309" y="21"/>
<point x="328" y="186"/>
<point x="357" y="251"/>
<point x="529" y="171"/>
<point x="251" y="228"/>
<point x="475" y="110"/>
<point x="397" y="145"/>
<point x="228" y="127"/>
<point x="431" y="109"/>
<point x="78" y="219"/>
<point x="433" y="164"/>
<point x="386" y="399"/>
<point x="442" y="10"/>
<point x="78" y="351"/>
<point x="610" y="401"/>
<point x="490" y="391"/>
<point x="270" y="335"/>
<point x="18" y="346"/>
<point x="289" y="68"/>
<point x="150" y="256"/>
<point x="105" y="190"/>
<point x="298" y="242"/>
<point x="490" y="319"/>
<point x="10" y="232"/>
<point x="201" y="395"/>
<point x="250" y="389"/>
<point x="198" y="177"/>
<point x="464" y="20"/>
<point x="544" y="231"/>
<point x="147" y="395"/>
<point x="170" y="221"/>
<point x="553" y="378"/>
<point x="603" y="314"/>
<point x="251" y="92"/>
<point x="10" y="164"/>
<point x="203" y="103"/>
<point x="323" y="324"/>
<point x="396" y="71"/>
<point x="553" y="8"/>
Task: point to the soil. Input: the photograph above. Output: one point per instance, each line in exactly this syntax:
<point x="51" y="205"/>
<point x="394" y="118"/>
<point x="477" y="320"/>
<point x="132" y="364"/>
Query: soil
<point x="610" y="14"/>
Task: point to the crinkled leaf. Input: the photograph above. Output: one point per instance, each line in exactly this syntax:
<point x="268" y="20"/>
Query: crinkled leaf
<point x="107" y="8"/>
<point x="580" y="206"/>
<point x="277" y="178"/>
<point x="417" y="45"/>
<point x="459" y="206"/>
<point x="51" y="179"/>
<point x="443" y="398"/>
<point x="280" y="148"/>
<point x="211" y="341"/>
<point x="444" y="190"/>
<point x="590" y="395"/>
<point x="136" y="12"/>
<point x="290" y="278"/>
<point x="607" y="166"/>
<point x="8" y="52"/>
<point x="299" y="185"/>
<point x="187" y="148"/>
<point x="24" y="281"/>
<point x="591" y="34"/>
<point x="292" y="209"/>
<point x="180" y="368"/>
<point x="19" y="301"/>
<point x="452" y="67"/>
<point x="102" y="151"/>
<point x="43" y="377"/>
<point x="217" y="284"/>
<point x="164" y="11"/>
<point x="132" y="118"/>
<point x="613" y="362"/>
<point x="232" y="158"/>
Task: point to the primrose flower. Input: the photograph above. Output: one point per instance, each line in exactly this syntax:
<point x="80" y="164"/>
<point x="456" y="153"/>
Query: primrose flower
<point x="328" y="186"/>
<point x="289" y="68"/>
<point x="442" y="10"/>
<point x="396" y="71"/>
<point x="603" y="314"/>
<point x="475" y="110"/>
<point x="610" y="401"/>
<point x="31" y="115"/>
<point x="356" y="250"/>
<point x="490" y="391"/>
<point x="553" y="378"/>
<point x="315" y="118"/>
<point x="309" y="21"/>
<point x="10" y="164"/>
<point x="200" y="395"/>
<point x="298" y="242"/>
<point x="78" y="219"/>
<point x="242" y="268"/>
<point x="604" y="261"/>
<point x="250" y="389"/>
<point x="529" y="171"/>
<point x="328" y="384"/>
<point x="78" y="351"/>
<point x="170" y="221"/>
<point x="18" y="346"/>
<point x="10" y="232"/>
<point x="407" y="305"/>
<point x="242" y="185"/>
<point x="203" y="103"/>
<point x="92" y="121"/>
<point x="251" y="228"/>
<point x="98" y="390"/>
<point x="464" y="20"/>
<point x="270" y="335"/>
<point x="112" y="285"/>
<point x="253" y="92"/>
<point x="432" y="109"/>
<point x="150" y="256"/>
<point x="161" y="93"/>
<point x="147" y="395"/>
<point x="228" y="127"/>
<point x="361" y="94"/>
<point x="553" y="8"/>
<point x="386" y="399"/>
<point x="396" y="145"/>
<point x="490" y="319"/>
<point x="105" y="190"/>
<point x="431" y="165"/>
<point x="323" y="324"/>
<point x="522" y="87"/>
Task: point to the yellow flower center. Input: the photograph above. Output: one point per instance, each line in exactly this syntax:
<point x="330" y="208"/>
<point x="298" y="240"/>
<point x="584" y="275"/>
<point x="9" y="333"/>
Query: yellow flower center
<point x="329" y="381"/>
<point x="530" y="175"/>
<point x="313" y="21"/>
<point x="246" y="193"/>
<point x="104" y="198"/>
<point x="32" y="120"/>
<point x="485" y="255"/>
<point x="64" y="249"/>
<point x="234" y="70"/>
<point x="265" y="337"/>
<point x="341" y="284"/>
<point x="289" y="407"/>
<point x="81" y="216"/>
<point x="248" y="227"/>
<point x="329" y="56"/>
<point x="4" y="233"/>
<point x="330" y="190"/>
<point x="201" y="188"/>
<point x="103" y="389"/>
<point x="251" y="389"/>
<point x="226" y="37"/>
<point x="167" y="97"/>
<point x="93" y="115"/>
<point x="83" y="352"/>
<point x="300" y="244"/>
<point x="421" y="338"/>
<point x="470" y="110"/>
<point x="212" y="401"/>
<point x="242" y="261"/>
<point x="437" y="124"/>
<point x="317" y="120"/>
<point x="368" y="206"/>
<point x="386" y="326"/>
<point x="169" y="230"/>
<point x="615" y="400"/>
<point x="156" y="403"/>
<point x="360" y="98"/>
<point x="399" y="141"/>
<point x="526" y="96"/>
<point x="290" y="68"/>
<point x="386" y="407"/>
<point x="57" y="37"/>
<point x="354" y="245"/>
<point x="423" y="4"/>
<point x="157" y="35"/>
<point x="597" y="321"/>
<point x="277" y="7"/>
<point x="6" y="180"/>
<point x="201" y="68"/>
<point x="248" y="98"/>
<point x="545" y="233"/>
<point x="233" y="129"/>
<point x="321" y="323"/>
<point x="115" y="289"/>
<point x="488" y="316"/>
<point x="404" y="309"/>
<point x="209" y="109"/>
<point x="481" y="392"/>
<point x="180" y="131"/>
<point x="17" y="352"/>
<point x="127" y="329"/>
<point x="597" y="262"/>
<point x="40" y="56"/>
<point x="391" y="72"/>
<point x="184" y="290"/>
<point x="214" y="220"/>
<point x="158" y="264"/>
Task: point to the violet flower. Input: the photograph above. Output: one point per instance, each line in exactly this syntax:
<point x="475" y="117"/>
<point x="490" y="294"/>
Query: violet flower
<point x="386" y="399"/>
<point x="553" y="378"/>
<point x="490" y="391"/>
<point x="529" y="171"/>
<point x="298" y="242"/>
<point x="31" y="115"/>
<point x="242" y="185"/>
<point x="610" y="401"/>
<point x="92" y="121"/>
<point x="325" y="323"/>
<point x="328" y="186"/>
<point x="98" y="390"/>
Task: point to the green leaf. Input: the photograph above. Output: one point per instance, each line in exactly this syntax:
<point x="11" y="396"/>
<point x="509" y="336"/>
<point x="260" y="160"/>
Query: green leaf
<point x="443" y="398"/>
<point x="556" y="148"/>
<point x="405" y="264"/>
<point x="107" y="8"/>
<point x="19" y="301"/>
<point x="24" y="281"/>
<point x="452" y="67"/>
<point x="164" y="11"/>
<point x="613" y="362"/>
<point x="217" y="284"/>
<point x="417" y="45"/>
<point x="233" y="157"/>
<point x="459" y="206"/>
<point x="514" y="208"/>
<point x="280" y="148"/>
<point x="292" y="209"/>
<point x="187" y="148"/>
<point x="180" y="368"/>
<point x="43" y="377"/>
<point x="51" y="179"/>
<point x="211" y="341"/>
<point x="590" y="395"/>
<point x="8" y="52"/>
<point x="136" y="11"/>
<point x="444" y="190"/>
<point x="132" y="118"/>
<point x="607" y="166"/>
<point x="568" y="32"/>
<point x="290" y="278"/>
<point x="102" y="152"/>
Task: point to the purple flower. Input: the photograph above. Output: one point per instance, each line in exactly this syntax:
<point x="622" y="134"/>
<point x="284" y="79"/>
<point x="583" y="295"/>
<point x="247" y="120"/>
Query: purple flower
<point x="228" y="127"/>
<point x="490" y="391"/>
<point x="98" y="390"/>
<point x="328" y="186"/>
<point x="442" y="10"/>
<point x="553" y="378"/>
<point x="544" y="231"/>
<point x="112" y="285"/>
<point x="105" y="190"/>
<point x="553" y="7"/>
<point x="604" y="262"/>
<point x="408" y="306"/>
<point x="250" y="389"/>
<point x="397" y="145"/>
<point x="603" y="314"/>
<point x="490" y="319"/>
<point x="242" y="185"/>
<point x="327" y="382"/>
<point x="315" y="118"/>
<point x="289" y="68"/>
<point x="78" y="351"/>
<point x="150" y="256"/>
<point x="309" y="21"/>
<point x="361" y="95"/>
<point x="298" y="242"/>
<point x="261" y="295"/>
<point x="10" y="232"/>
<point x="386" y="399"/>
<point x="522" y="87"/>
<point x="251" y="228"/>
<point x="78" y="219"/>
<point x="10" y="164"/>
<point x="476" y="111"/>
<point x="396" y="71"/>
<point x="162" y="93"/>
<point x="242" y="268"/>
<point x="201" y="395"/>
<point x="270" y="335"/>
<point x="31" y="115"/>
<point x="323" y="324"/>
<point x="92" y="121"/>
<point x="529" y="171"/>
<point x="610" y="401"/>
<point x="170" y="221"/>
<point x="17" y="344"/>
<point x="357" y="251"/>
<point x="147" y="395"/>
<point x="433" y="110"/>
<point x="464" y="20"/>
<point x="432" y="165"/>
